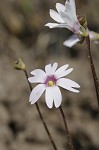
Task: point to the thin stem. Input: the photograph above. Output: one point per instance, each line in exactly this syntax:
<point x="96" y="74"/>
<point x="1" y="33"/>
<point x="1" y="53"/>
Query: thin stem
<point x="96" y="83"/>
<point x="66" y="129"/>
<point x="38" y="109"/>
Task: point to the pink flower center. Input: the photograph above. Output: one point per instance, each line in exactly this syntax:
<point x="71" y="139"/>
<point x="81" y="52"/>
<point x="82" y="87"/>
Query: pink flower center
<point x="50" y="80"/>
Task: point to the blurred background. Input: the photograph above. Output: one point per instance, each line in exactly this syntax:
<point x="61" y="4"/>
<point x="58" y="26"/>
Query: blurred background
<point x="23" y="35"/>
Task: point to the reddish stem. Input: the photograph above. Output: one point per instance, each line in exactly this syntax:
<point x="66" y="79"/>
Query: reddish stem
<point x="96" y="83"/>
<point x="66" y="129"/>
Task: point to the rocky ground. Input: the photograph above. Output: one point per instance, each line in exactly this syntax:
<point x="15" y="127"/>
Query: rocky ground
<point x="23" y="35"/>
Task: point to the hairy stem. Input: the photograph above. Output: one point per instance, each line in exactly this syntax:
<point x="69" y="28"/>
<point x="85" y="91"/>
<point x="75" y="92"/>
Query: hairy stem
<point x="38" y="109"/>
<point x="66" y="129"/>
<point x="96" y="83"/>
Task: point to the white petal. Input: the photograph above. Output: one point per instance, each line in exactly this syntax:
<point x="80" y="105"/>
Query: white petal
<point x="70" y="14"/>
<point x="49" y="97"/>
<point x="59" y="72"/>
<point x="66" y="72"/>
<point x="52" y="25"/>
<point x="71" y="41"/>
<point x="66" y="17"/>
<point x="73" y="90"/>
<point x="71" y="21"/>
<point x="68" y="84"/>
<point x="70" y="7"/>
<point x="54" y="67"/>
<point x="36" y="93"/>
<point x="36" y="79"/>
<point x="57" y="96"/>
<point x="56" y="25"/>
<point x="60" y="7"/>
<point x="56" y="16"/>
<point x="68" y="20"/>
<point x="73" y="5"/>
<point x="53" y="94"/>
<point x="38" y="72"/>
<point x="48" y="69"/>
<point x="39" y="76"/>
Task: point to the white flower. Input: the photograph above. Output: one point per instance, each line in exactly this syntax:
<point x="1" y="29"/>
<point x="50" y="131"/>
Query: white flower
<point x="74" y="39"/>
<point x="49" y="80"/>
<point x="66" y="17"/>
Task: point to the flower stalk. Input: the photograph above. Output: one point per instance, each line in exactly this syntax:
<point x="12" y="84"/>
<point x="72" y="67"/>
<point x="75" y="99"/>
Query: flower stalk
<point x="96" y="82"/>
<point x="38" y="109"/>
<point x="66" y="129"/>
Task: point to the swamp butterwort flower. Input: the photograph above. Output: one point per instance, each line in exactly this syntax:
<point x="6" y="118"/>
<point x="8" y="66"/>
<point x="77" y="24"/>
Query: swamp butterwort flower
<point x="49" y="81"/>
<point x="66" y="18"/>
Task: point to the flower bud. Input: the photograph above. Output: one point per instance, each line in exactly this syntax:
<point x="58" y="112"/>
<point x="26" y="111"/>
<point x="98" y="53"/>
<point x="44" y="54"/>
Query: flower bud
<point x="19" y="65"/>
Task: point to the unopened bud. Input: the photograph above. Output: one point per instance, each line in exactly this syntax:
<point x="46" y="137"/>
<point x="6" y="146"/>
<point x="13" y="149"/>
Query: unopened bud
<point x="19" y="65"/>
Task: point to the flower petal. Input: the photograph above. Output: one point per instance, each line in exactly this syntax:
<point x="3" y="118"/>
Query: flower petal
<point x="38" y="72"/>
<point x="49" y="97"/>
<point x="56" y="25"/>
<point x="59" y="72"/>
<point x="57" y="96"/>
<point x="66" y="72"/>
<point x="71" y="41"/>
<point x="71" y="9"/>
<point x="70" y="3"/>
<point x="60" y="7"/>
<point x="70" y="15"/>
<point x="53" y="94"/>
<point x="66" y="17"/>
<point x="48" y="69"/>
<point x="36" y="93"/>
<point x="54" y="67"/>
<point x="36" y="79"/>
<point x="39" y="76"/>
<point x="71" y="21"/>
<point x="52" y="25"/>
<point x="68" y="84"/>
<point x="54" y="15"/>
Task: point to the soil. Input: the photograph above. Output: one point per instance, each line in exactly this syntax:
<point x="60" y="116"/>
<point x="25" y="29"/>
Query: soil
<point x="23" y="35"/>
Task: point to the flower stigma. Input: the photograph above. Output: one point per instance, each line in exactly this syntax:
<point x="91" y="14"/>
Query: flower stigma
<point x="51" y="83"/>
